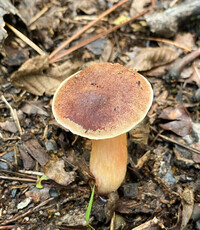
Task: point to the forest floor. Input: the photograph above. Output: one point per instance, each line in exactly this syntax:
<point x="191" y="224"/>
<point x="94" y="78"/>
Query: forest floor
<point x="44" y="169"/>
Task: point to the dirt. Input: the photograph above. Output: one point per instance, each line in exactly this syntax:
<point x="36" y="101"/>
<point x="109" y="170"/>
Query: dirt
<point x="44" y="169"/>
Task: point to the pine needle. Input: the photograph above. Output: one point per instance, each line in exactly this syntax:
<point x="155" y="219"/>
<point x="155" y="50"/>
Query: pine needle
<point x="26" y="40"/>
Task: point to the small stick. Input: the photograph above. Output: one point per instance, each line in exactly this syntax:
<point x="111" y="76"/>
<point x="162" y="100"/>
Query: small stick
<point x="28" y="212"/>
<point x="18" y="179"/>
<point x="85" y="42"/>
<point x="38" y="15"/>
<point x="143" y="159"/>
<point x="29" y="172"/>
<point x="112" y="222"/>
<point x="147" y="224"/>
<point x="26" y="40"/>
<point x="180" y="144"/>
<point x="7" y="227"/>
<point x="14" y="114"/>
<point x="167" y="41"/>
<point x="64" y="44"/>
<point x="178" y="66"/>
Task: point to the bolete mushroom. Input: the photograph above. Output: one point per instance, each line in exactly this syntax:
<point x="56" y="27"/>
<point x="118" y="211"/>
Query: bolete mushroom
<point x="103" y="102"/>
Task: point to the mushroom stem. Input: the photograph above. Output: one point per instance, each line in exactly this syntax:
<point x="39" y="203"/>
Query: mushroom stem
<point x="108" y="162"/>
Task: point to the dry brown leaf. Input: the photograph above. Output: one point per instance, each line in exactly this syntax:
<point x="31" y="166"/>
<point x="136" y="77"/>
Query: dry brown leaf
<point x="6" y="7"/>
<point x="187" y="206"/>
<point x="38" y="77"/>
<point x="9" y="126"/>
<point x="32" y="146"/>
<point x="140" y="133"/>
<point x="181" y="123"/>
<point x="33" y="107"/>
<point x="55" y="171"/>
<point x="149" y="58"/>
<point x="38" y="195"/>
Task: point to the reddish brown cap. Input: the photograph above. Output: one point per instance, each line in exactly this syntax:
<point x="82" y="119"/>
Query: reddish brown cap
<point x="102" y="101"/>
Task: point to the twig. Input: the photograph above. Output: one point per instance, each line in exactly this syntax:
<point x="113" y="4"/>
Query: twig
<point x="167" y="42"/>
<point x="31" y="172"/>
<point x="83" y="43"/>
<point x="18" y="179"/>
<point x="7" y="227"/>
<point x="147" y="224"/>
<point x="143" y="159"/>
<point x="26" y="40"/>
<point x="14" y="114"/>
<point x="112" y="222"/>
<point x="38" y="15"/>
<point x="63" y="45"/>
<point x="180" y="144"/>
<point x="178" y="66"/>
<point x="19" y="174"/>
<point x="28" y="212"/>
<point x="14" y="138"/>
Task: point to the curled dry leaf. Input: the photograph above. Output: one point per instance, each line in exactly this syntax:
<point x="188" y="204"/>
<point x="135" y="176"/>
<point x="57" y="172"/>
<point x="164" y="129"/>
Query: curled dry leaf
<point x="181" y="123"/>
<point x="149" y="58"/>
<point x="37" y="76"/>
<point x="6" y="7"/>
<point x="55" y="171"/>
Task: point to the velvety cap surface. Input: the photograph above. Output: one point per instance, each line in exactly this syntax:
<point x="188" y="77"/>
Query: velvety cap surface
<point x="102" y="101"/>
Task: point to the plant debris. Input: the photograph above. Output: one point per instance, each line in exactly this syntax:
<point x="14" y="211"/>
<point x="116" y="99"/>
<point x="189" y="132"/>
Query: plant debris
<point x="44" y="170"/>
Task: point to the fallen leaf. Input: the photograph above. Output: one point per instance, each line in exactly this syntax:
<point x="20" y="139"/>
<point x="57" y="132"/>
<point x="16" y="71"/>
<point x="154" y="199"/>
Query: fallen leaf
<point x="108" y="53"/>
<point x="38" y="77"/>
<point x="55" y="171"/>
<point x="187" y="206"/>
<point x="38" y="194"/>
<point x="9" y="126"/>
<point x="181" y="123"/>
<point x="149" y="58"/>
<point x="6" y="7"/>
<point x="88" y="7"/>
<point x="140" y="133"/>
<point x="185" y="39"/>
<point x="138" y="6"/>
<point x="32" y="146"/>
<point x="28" y="161"/>
<point x="97" y="46"/>
<point x="33" y="107"/>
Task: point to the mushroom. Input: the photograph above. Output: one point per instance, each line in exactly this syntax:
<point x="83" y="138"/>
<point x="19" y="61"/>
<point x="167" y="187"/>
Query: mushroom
<point x="103" y="102"/>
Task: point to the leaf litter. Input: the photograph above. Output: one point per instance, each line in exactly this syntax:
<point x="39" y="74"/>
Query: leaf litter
<point x="159" y="170"/>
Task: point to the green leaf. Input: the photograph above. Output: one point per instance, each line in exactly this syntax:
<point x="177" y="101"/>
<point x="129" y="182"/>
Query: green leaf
<point x="39" y="184"/>
<point x="87" y="216"/>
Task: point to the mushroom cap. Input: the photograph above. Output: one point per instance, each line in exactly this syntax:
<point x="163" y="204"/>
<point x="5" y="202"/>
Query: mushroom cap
<point x="102" y="101"/>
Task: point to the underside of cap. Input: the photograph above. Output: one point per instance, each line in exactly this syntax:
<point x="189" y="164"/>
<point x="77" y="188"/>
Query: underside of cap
<point x="102" y="101"/>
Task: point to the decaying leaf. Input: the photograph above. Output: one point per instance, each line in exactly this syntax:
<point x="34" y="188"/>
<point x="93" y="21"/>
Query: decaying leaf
<point x="149" y="58"/>
<point x="187" y="206"/>
<point x="28" y="161"/>
<point x="38" y="194"/>
<point x="181" y="123"/>
<point x="37" y="76"/>
<point x="34" y="107"/>
<point x="9" y="126"/>
<point x="6" y="7"/>
<point x="32" y="146"/>
<point x="141" y="132"/>
<point x="55" y="171"/>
